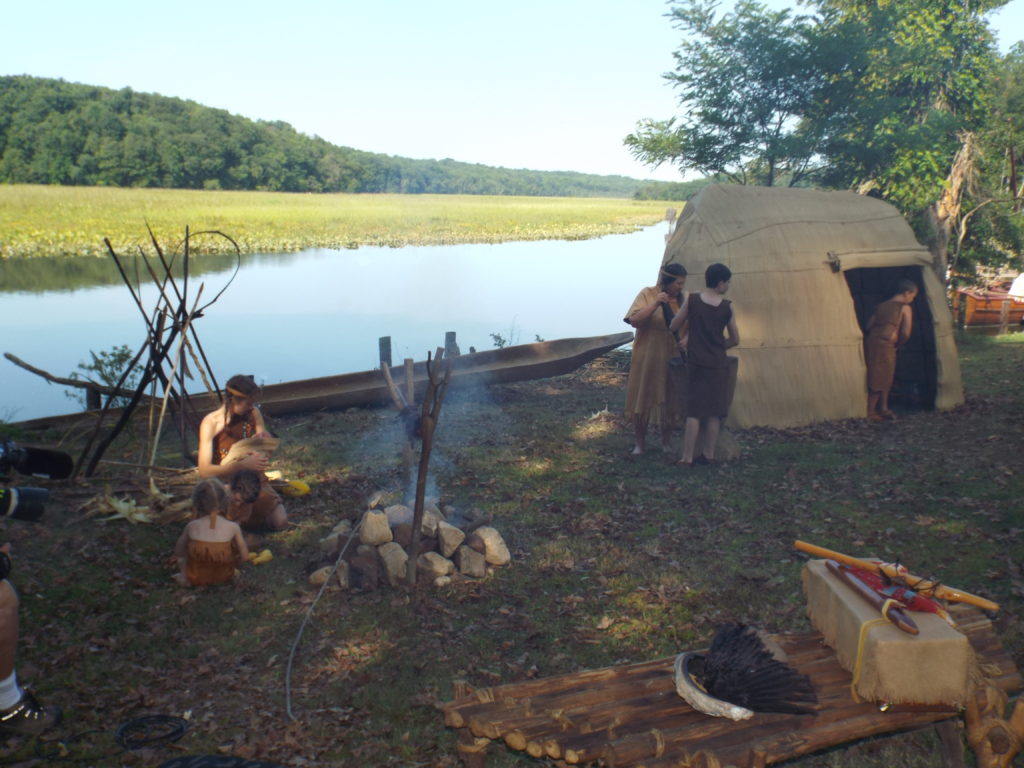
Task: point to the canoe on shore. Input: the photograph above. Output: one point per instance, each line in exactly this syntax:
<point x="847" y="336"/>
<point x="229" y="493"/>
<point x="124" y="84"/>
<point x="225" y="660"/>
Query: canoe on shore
<point x="495" y="366"/>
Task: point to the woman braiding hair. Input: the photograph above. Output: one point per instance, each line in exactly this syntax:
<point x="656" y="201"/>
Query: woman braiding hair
<point x="650" y="395"/>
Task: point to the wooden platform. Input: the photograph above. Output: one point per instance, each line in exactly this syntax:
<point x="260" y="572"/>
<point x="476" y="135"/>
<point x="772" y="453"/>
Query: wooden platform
<point x="631" y="715"/>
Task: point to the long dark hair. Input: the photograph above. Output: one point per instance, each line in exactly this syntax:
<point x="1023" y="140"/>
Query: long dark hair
<point x="670" y="273"/>
<point x="240" y="383"/>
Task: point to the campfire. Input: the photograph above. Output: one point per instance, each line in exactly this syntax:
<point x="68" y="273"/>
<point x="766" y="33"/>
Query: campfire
<point x="446" y="545"/>
<point x="451" y="546"/>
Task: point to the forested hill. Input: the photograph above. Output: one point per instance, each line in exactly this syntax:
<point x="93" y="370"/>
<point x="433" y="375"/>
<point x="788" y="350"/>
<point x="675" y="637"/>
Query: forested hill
<point x="55" y="132"/>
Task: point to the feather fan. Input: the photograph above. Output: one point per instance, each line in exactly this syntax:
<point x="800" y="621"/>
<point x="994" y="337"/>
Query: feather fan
<point x="739" y="669"/>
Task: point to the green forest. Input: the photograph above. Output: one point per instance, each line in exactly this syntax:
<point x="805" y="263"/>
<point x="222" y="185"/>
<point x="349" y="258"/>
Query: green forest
<point x="56" y="132"/>
<point x="907" y="100"/>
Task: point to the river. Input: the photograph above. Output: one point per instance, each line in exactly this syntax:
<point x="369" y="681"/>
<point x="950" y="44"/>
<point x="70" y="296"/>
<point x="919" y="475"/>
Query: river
<point x="320" y="312"/>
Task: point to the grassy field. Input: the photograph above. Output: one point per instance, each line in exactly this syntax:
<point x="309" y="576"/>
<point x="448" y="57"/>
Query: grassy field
<point x="72" y="221"/>
<point x="616" y="559"/>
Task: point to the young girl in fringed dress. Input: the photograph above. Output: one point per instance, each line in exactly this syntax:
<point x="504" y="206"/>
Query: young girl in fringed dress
<point x="210" y="547"/>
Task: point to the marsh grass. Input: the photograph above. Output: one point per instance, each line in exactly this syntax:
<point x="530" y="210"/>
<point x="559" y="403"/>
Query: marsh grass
<point x="615" y="560"/>
<point x="72" y="221"/>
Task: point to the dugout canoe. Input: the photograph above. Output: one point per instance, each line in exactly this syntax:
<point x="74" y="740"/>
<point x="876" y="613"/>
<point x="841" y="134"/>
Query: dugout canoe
<point x="507" y="365"/>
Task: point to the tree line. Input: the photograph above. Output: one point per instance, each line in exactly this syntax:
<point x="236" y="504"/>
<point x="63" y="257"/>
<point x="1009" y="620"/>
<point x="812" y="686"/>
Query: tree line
<point x="56" y="132"/>
<point x="908" y="100"/>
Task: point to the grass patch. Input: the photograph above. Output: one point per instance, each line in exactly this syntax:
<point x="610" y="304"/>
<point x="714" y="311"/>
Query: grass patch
<point x="615" y="559"/>
<point x="72" y="221"/>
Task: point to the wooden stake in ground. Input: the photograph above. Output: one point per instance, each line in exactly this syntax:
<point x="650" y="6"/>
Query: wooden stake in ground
<point x="439" y="371"/>
<point x="438" y="374"/>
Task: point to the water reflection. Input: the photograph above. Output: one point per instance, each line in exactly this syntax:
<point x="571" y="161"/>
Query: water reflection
<point x="321" y="312"/>
<point x="47" y="274"/>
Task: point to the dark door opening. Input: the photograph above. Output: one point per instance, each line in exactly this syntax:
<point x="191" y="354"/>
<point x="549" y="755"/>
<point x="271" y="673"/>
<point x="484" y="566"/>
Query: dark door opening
<point x="916" y="370"/>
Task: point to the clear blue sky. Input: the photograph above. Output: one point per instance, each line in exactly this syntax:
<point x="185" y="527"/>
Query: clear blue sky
<point x="542" y="84"/>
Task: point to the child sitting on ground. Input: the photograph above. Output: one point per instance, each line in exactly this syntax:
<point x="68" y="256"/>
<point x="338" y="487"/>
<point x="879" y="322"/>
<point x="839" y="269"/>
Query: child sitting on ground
<point x="209" y="548"/>
<point x="245" y="486"/>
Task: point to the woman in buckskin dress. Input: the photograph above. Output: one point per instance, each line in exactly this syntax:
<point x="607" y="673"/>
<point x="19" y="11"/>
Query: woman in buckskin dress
<point x="649" y="393"/>
<point x="221" y="429"/>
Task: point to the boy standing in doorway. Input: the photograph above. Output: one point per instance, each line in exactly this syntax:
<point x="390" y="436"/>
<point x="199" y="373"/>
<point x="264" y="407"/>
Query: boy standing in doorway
<point x="888" y="330"/>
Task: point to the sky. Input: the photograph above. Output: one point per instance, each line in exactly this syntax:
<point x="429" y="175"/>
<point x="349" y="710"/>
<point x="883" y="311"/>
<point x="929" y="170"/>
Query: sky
<point x="540" y="84"/>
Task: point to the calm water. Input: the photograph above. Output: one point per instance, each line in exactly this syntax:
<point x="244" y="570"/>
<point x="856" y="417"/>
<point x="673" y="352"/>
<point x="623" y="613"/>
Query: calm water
<point x="321" y="312"/>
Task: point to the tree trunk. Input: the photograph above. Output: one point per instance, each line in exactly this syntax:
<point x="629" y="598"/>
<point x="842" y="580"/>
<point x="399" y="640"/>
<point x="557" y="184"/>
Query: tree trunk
<point x="941" y="226"/>
<point x="944" y="212"/>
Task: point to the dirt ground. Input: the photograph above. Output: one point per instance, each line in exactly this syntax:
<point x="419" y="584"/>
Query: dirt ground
<point x="615" y="559"/>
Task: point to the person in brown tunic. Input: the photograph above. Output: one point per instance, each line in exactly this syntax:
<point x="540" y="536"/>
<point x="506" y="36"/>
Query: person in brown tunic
<point x="709" y="316"/>
<point x="649" y="394"/>
<point x="221" y="429"/>
<point x="888" y="330"/>
<point x="209" y="549"/>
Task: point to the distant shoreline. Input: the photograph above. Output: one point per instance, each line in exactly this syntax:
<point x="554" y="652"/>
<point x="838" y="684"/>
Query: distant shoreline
<point x="40" y="220"/>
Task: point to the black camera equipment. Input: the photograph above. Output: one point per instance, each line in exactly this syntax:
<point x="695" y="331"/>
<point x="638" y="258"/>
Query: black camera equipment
<point x="27" y="503"/>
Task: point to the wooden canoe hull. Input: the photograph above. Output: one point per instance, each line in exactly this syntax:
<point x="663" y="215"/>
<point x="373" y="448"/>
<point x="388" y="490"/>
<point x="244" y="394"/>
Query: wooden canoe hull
<point x="987" y="307"/>
<point x="522" y="362"/>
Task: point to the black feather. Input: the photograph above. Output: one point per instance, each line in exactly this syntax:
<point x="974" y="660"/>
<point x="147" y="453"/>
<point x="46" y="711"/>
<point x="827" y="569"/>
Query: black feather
<point x="740" y="669"/>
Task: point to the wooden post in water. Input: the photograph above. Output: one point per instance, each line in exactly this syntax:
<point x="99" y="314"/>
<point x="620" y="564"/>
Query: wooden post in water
<point x="384" y="344"/>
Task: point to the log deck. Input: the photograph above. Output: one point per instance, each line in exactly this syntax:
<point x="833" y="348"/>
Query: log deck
<point x="631" y="715"/>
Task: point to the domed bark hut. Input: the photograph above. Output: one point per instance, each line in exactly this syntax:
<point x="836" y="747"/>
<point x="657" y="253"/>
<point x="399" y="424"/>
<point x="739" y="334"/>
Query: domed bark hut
<point x="808" y="269"/>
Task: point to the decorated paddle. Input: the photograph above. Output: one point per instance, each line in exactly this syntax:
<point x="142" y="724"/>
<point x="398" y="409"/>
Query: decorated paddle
<point x="890" y="608"/>
<point x="908" y="597"/>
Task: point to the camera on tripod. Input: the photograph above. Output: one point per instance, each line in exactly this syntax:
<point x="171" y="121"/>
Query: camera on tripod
<point x="27" y="503"/>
